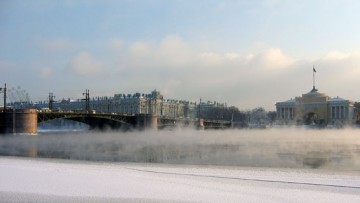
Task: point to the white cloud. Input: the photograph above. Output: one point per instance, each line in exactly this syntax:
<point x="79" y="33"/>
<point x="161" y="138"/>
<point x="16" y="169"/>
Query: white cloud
<point x="344" y="66"/>
<point x="272" y="58"/>
<point x="211" y="59"/>
<point x="336" y="55"/>
<point x="83" y="64"/>
<point x="116" y="44"/>
<point x="232" y="56"/>
<point x="57" y="45"/>
<point x="174" y="51"/>
<point x="46" y="72"/>
<point x="139" y="49"/>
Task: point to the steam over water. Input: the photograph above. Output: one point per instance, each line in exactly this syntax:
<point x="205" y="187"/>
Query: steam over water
<point x="291" y="148"/>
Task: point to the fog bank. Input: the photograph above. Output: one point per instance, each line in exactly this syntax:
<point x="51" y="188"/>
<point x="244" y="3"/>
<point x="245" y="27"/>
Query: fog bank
<point x="290" y="148"/>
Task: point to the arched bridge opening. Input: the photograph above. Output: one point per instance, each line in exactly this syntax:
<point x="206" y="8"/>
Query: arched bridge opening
<point x="62" y="124"/>
<point x="95" y="121"/>
<point x="103" y="123"/>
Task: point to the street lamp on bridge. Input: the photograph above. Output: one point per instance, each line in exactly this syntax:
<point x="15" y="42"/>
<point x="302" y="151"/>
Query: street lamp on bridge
<point x="3" y="90"/>
<point x="87" y="100"/>
<point x="51" y="100"/>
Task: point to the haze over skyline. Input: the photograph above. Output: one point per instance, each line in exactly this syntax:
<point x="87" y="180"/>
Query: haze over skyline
<point x="244" y="53"/>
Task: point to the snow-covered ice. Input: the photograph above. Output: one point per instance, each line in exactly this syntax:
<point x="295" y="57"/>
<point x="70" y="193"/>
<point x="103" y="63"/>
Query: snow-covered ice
<point x="52" y="180"/>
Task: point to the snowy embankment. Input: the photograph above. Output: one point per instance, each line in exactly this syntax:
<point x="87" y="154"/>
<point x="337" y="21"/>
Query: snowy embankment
<point x="50" y="180"/>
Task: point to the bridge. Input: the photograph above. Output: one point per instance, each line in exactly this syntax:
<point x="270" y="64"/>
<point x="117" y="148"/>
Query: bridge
<point x="26" y="120"/>
<point x="100" y="121"/>
<point x="125" y="122"/>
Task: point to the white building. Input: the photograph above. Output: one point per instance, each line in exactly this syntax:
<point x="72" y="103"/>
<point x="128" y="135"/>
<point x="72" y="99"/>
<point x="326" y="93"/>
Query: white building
<point x="316" y="108"/>
<point x="131" y="104"/>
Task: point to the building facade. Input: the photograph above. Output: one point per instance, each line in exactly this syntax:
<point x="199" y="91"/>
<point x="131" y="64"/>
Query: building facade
<point x="132" y="104"/>
<point x="315" y="108"/>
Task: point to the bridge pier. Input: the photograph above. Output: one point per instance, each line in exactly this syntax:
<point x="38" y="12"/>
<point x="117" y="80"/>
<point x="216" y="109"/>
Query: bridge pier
<point x="147" y="121"/>
<point x="18" y="121"/>
<point x="200" y="124"/>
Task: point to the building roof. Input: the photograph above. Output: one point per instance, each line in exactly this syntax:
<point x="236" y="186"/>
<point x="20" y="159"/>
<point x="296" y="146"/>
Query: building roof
<point x="314" y="93"/>
<point x="339" y="99"/>
<point x="290" y="101"/>
<point x="314" y="97"/>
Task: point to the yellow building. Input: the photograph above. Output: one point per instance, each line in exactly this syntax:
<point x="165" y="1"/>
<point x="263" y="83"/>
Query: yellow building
<point x="315" y="108"/>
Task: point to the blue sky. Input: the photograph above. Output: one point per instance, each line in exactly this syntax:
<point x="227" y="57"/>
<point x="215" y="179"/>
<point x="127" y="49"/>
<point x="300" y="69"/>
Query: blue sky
<point x="246" y="53"/>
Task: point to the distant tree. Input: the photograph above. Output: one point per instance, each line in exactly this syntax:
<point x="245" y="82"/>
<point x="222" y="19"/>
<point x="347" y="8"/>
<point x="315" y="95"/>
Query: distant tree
<point x="235" y="114"/>
<point x="258" y="116"/>
<point x="241" y="118"/>
<point x="225" y="113"/>
<point x="272" y="116"/>
<point x="357" y="112"/>
<point x="357" y="104"/>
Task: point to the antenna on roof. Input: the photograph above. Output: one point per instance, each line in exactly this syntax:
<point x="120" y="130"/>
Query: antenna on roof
<point x="314" y="71"/>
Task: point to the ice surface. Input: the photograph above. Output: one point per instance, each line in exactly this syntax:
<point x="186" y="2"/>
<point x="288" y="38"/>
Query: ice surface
<point x="50" y="180"/>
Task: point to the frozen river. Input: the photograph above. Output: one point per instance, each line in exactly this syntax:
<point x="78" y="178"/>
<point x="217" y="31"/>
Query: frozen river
<point x="276" y="165"/>
<point x="49" y="180"/>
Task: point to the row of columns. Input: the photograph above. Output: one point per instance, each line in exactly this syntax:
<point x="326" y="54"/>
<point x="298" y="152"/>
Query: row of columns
<point x="285" y="113"/>
<point x="337" y="112"/>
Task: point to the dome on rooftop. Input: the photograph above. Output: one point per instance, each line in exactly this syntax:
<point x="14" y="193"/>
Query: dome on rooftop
<point x="314" y="93"/>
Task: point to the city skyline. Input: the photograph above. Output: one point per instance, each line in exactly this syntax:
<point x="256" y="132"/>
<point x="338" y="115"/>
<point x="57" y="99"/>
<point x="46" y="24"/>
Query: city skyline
<point x="245" y="53"/>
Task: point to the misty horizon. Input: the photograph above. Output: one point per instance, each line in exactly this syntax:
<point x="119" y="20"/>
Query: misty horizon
<point x="279" y="148"/>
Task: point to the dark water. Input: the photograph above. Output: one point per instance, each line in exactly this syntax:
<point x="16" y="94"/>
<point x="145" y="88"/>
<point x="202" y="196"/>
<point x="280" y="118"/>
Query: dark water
<point x="290" y="148"/>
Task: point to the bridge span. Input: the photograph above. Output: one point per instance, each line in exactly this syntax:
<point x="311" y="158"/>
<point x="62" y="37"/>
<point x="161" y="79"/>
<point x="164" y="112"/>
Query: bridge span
<point x="26" y="121"/>
<point x="100" y="121"/>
